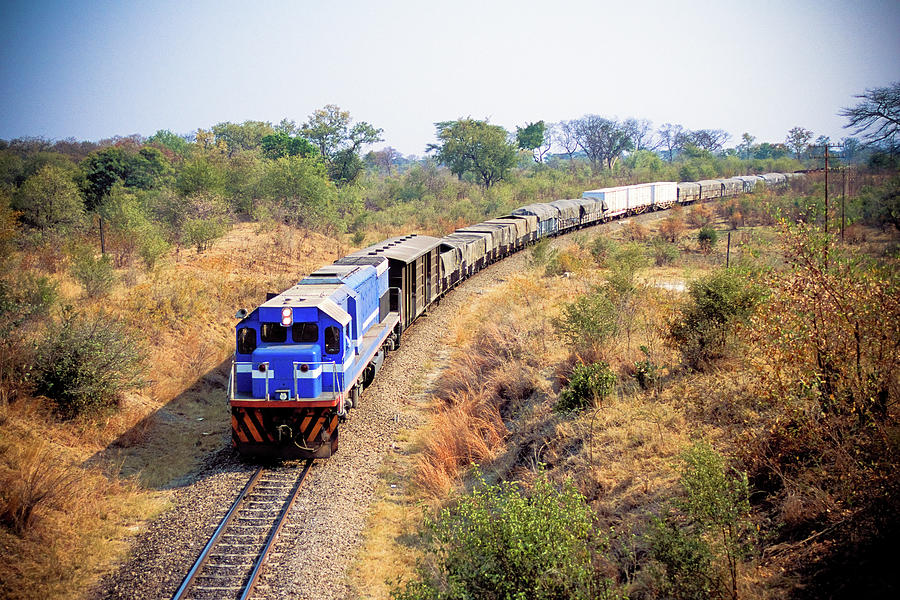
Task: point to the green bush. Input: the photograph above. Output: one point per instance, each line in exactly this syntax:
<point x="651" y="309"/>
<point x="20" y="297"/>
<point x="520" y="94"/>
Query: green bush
<point x="702" y="550"/>
<point x="602" y="248"/>
<point x="707" y="238"/>
<point x="501" y="543"/>
<point x="718" y="302"/>
<point x="646" y="371"/>
<point x="542" y="253"/>
<point x="84" y="363"/>
<point x="588" y="322"/>
<point x="95" y="274"/>
<point x="663" y="252"/>
<point x="588" y="385"/>
<point x="202" y="232"/>
<point x="685" y="558"/>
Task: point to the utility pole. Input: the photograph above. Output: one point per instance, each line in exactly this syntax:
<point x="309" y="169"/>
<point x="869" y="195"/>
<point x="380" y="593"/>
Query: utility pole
<point x="826" y="190"/>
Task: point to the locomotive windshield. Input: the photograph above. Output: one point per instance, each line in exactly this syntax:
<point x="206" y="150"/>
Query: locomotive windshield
<point x="246" y="340"/>
<point x="273" y="332"/>
<point x="305" y="333"/>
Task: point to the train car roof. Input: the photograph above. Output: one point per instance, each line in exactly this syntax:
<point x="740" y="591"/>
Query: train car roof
<point x="406" y="248"/>
<point x="543" y="211"/>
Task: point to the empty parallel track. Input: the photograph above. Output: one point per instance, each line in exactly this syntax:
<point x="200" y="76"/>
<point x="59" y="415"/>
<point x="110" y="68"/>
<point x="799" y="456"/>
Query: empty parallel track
<point x="230" y="563"/>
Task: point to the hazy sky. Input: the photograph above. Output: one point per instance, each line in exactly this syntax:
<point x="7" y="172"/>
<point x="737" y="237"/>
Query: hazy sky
<point x="95" y="69"/>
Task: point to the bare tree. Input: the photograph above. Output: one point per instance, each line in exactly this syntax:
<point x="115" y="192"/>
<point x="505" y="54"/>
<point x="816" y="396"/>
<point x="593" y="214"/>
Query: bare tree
<point x="563" y="135"/>
<point x="671" y="138"/>
<point x="603" y="140"/>
<point x="641" y="133"/>
<point x="711" y="140"/>
<point x="877" y="117"/>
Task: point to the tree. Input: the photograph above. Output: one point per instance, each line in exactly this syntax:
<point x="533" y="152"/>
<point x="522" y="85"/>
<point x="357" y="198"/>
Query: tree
<point x="472" y="146"/>
<point x="535" y="138"/>
<point x="746" y="143"/>
<point x="640" y="131"/>
<point x="603" y="140"/>
<point x="385" y="158"/>
<point x="329" y="129"/>
<point x="671" y="138"/>
<point x="242" y="136"/>
<point x="302" y="188"/>
<point x="171" y="141"/>
<point x="49" y="199"/>
<point x="276" y="145"/>
<point x="564" y="135"/>
<point x="798" y="139"/>
<point x="710" y="140"/>
<point x="143" y="170"/>
<point x="877" y="117"/>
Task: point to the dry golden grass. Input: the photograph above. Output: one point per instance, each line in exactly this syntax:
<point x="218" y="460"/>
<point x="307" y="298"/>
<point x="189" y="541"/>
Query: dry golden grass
<point x="183" y="312"/>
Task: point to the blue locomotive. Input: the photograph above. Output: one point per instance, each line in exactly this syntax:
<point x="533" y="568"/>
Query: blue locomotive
<point x="303" y="357"/>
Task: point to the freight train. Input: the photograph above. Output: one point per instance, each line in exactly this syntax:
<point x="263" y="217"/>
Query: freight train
<point x="303" y="357"/>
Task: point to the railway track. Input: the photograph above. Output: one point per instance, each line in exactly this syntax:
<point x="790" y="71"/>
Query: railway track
<point x="230" y="564"/>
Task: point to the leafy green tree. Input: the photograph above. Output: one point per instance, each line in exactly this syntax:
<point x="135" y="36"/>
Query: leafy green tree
<point x="534" y="138"/>
<point x="877" y="117"/>
<point x="330" y="130"/>
<point x="171" y="141"/>
<point x="276" y="145"/>
<point x="144" y="169"/>
<point x="302" y="189"/>
<point x="241" y="136"/>
<point x="201" y="174"/>
<point x="589" y="322"/>
<point x="798" y="140"/>
<point x="471" y="146"/>
<point x="50" y="200"/>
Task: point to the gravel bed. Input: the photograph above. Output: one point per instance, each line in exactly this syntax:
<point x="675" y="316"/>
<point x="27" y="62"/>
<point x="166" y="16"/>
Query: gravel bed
<point x="324" y="528"/>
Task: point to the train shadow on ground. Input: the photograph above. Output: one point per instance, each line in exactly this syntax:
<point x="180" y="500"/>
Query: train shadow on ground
<point x="176" y="444"/>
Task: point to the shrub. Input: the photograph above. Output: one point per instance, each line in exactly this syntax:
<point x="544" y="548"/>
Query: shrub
<point x="717" y="303"/>
<point x="499" y="542"/>
<point x="542" y="253"/>
<point x="663" y="252"/>
<point x="671" y="228"/>
<point x="564" y="261"/>
<point x="588" y="385"/>
<point x="94" y="273"/>
<point x="700" y="216"/>
<point x="589" y="321"/>
<point x="84" y="363"/>
<point x="685" y="557"/>
<point x="646" y="371"/>
<point x="634" y="231"/>
<point x="202" y="232"/>
<point x="707" y="238"/>
<point x="602" y="248"/>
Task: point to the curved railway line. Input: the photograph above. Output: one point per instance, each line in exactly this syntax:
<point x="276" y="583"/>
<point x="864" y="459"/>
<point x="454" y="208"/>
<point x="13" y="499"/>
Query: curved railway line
<point x="231" y="561"/>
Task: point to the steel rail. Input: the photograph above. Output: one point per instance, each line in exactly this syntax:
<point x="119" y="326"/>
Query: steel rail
<point x="204" y="554"/>
<point x="270" y="541"/>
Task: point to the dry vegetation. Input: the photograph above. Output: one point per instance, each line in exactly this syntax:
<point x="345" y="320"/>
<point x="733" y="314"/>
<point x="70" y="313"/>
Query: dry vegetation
<point x="73" y="491"/>
<point x="822" y="487"/>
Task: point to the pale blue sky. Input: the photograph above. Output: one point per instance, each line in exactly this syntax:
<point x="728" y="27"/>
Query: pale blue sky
<point x="96" y="69"/>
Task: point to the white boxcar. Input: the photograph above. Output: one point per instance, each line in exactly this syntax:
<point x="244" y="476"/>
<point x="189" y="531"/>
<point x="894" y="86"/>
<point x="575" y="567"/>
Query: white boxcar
<point x="663" y="194"/>
<point x="640" y="197"/>
<point x="614" y="200"/>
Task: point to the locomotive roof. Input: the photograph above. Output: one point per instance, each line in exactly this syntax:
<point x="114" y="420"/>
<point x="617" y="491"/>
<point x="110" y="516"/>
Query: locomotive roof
<point x="311" y="295"/>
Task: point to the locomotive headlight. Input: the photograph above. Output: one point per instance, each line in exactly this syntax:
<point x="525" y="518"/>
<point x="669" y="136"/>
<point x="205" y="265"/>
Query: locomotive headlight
<point x="304" y="368"/>
<point x="282" y="395"/>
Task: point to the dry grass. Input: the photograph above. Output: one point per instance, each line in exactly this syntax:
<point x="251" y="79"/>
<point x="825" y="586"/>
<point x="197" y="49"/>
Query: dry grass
<point x="81" y="520"/>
